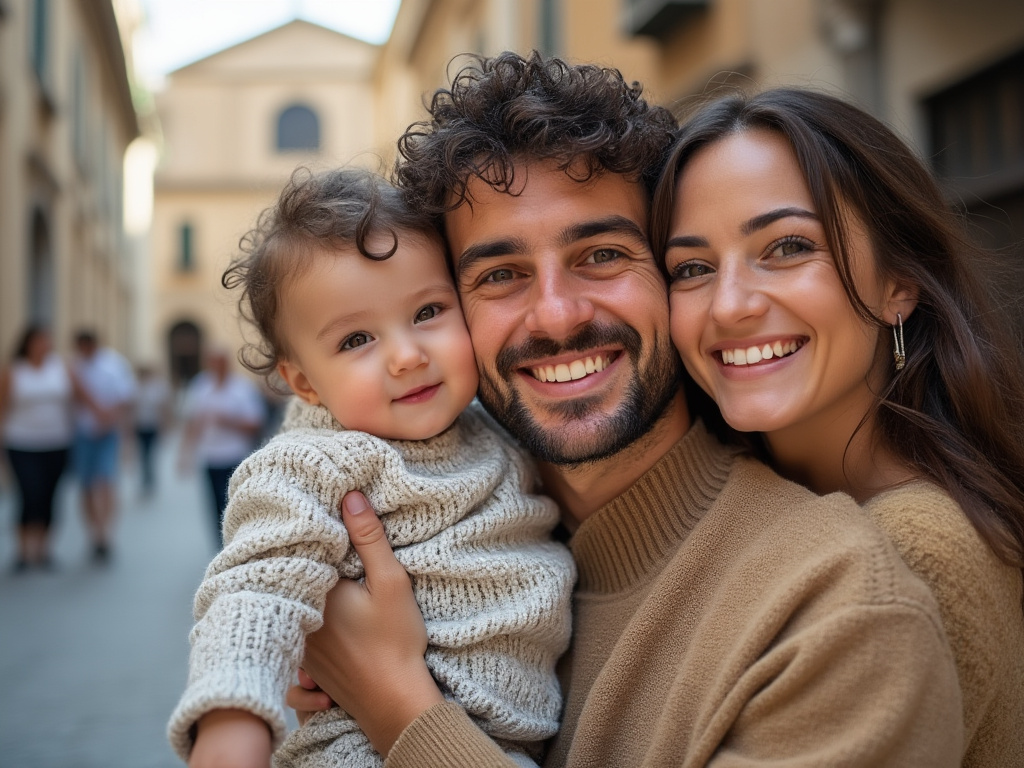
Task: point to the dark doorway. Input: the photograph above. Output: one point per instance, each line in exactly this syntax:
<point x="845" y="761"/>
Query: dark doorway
<point x="41" y="277"/>
<point x="184" y="346"/>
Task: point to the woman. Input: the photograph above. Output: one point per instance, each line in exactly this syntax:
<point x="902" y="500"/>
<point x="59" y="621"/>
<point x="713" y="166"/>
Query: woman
<point x="823" y="297"/>
<point x="35" y="405"/>
<point x="223" y="415"/>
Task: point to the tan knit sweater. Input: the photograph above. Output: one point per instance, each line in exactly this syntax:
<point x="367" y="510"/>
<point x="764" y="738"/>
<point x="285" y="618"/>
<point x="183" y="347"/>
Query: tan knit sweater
<point x="979" y="598"/>
<point x="494" y="589"/>
<point x="727" y="617"/>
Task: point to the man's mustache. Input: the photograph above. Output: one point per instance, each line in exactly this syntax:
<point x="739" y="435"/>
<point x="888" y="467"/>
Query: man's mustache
<point x="593" y="335"/>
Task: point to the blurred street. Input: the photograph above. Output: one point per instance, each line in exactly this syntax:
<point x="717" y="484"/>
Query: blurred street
<point x="93" y="657"/>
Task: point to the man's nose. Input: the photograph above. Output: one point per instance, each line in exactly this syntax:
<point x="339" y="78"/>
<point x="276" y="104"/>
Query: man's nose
<point x="559" y="305"/>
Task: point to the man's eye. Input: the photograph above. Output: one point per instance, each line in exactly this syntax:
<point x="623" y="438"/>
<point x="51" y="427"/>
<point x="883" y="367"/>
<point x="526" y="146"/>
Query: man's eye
<point x="500" y="276"/>
<point x="428" y="312"/>
<point x="604" y="255"/>
<point x="356" y="340"/>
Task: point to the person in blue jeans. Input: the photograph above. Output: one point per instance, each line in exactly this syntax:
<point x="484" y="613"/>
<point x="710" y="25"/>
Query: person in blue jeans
<point x="109" y="387"/>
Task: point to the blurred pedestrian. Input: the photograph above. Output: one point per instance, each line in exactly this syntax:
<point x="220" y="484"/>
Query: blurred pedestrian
<point x="108" y="381"/>
<point x="224" y="414"/>
<point x="152" y="416"/>
<point x="35" y="407"/>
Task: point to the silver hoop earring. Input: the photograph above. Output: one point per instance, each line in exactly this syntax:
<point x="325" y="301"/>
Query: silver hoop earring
<point x="899" y="352"/>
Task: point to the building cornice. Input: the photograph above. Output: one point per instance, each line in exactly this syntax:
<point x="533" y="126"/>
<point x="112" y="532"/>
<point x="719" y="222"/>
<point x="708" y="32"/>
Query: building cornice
<point x="100" y="14"/>
<point x="180" y="185"/>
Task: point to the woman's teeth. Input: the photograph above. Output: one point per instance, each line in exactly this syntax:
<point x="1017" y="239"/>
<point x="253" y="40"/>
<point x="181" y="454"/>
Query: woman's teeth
<point x="751" y="355"/>
<point x="577" y="369"/>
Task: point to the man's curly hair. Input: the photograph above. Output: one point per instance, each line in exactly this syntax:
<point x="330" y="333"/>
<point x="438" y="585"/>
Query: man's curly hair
<point x="585" y="118"/>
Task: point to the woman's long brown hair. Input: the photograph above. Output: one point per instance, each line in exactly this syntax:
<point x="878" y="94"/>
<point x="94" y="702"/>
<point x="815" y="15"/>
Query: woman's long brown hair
<point x="955" y="413"/>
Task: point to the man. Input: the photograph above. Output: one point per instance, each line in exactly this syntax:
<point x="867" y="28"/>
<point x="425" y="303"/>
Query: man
<point x="108" y="386"/>
<point x="722" y="615"/>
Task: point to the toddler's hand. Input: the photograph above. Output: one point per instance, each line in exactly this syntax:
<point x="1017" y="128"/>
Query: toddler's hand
<point x="231" y="738"/>
<point x="307" y="698"/>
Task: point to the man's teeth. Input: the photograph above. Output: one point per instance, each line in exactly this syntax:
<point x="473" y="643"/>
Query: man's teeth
<point x="752" y="355"/>
<point x="577" y="369"/>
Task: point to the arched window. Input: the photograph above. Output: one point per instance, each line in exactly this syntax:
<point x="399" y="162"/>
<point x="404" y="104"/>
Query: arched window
<point x="298" y="128"/>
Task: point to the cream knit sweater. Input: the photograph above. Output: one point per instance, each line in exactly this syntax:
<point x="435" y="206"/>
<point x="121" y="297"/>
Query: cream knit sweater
<point x="494" y="589"/>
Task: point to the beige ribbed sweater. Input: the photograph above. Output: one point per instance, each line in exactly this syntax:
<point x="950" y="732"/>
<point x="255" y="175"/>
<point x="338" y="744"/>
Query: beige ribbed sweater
<point x="727" y="617"/>
<point x="494" y="589"/>
<point x="979" y="598"/>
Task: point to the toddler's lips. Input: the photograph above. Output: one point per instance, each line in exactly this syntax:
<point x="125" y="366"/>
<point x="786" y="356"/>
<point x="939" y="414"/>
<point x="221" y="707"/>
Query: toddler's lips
<point x="419" y="394"/>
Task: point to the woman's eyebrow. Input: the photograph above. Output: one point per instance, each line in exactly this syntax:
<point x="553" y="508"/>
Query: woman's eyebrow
<point x="687" y="241"/>
<point x="763" y="220"/>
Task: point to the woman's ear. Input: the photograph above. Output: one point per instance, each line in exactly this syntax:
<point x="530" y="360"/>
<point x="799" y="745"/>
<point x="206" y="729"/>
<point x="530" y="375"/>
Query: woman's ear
<point x="297" y="381"/>
<point x="902" y="300"/>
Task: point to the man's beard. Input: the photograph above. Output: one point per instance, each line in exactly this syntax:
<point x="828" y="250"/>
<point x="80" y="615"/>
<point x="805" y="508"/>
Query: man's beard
<point x="649" y="392"/>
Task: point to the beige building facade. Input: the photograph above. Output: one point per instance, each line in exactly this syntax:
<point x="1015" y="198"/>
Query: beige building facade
<point x="235" y="125"/>
<point x="66" y="119"/>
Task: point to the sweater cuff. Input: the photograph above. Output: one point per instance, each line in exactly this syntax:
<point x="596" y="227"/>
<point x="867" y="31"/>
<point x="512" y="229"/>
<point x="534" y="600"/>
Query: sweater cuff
<point x="444" y="735"/>
<point x="247" y="689"/>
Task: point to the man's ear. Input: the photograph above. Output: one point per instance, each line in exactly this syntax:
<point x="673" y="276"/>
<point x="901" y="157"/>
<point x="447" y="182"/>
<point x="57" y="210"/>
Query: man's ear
<point x="902" y="299"/>
<point x="297" y="381"/>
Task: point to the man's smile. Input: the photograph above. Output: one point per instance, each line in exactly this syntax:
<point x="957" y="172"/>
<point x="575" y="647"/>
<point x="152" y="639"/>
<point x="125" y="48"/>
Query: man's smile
<point x="573" y="370"/>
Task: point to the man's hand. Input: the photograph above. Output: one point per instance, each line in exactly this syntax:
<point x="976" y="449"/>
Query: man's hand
<point x="231" y="738"/>
<point x="368" y="656"/>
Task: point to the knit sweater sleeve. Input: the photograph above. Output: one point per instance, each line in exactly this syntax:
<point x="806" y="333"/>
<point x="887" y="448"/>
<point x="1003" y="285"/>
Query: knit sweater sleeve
<point x="445" y="735"/>
<point x="979" y="598"/>
<point x="262" y="594"/>
<point x="866" y="686"/>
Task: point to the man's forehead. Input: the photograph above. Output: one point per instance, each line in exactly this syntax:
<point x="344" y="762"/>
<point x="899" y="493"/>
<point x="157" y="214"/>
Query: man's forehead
<point x="540" y="193"/>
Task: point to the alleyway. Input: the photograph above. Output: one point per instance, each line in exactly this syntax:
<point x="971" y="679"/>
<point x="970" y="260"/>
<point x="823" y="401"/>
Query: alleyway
<point x="93" y="658"/>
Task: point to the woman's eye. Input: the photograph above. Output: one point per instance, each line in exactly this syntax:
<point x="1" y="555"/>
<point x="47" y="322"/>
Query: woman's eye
<point x="356" y="340"/>
<point x="792" y="247"/>
<point x="429" y="311"/>
<point x="604" y="255"/>
<point x="689" y="270"/>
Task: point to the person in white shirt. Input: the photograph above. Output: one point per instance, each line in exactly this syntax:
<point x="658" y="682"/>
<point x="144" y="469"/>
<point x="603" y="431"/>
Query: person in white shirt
<point x="108" y="381"/>
<point x="224" y="412"/>
<point x="152" y="414"/>
<point x="35" y="408"/>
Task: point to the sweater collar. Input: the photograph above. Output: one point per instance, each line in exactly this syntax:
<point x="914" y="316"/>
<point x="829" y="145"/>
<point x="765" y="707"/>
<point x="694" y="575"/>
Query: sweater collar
<point x="622" y="542"/>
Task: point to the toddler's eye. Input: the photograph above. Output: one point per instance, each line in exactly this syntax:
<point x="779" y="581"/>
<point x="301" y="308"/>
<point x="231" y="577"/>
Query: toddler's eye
<point x="428" y="312"/>
<point x="356" y="340"/>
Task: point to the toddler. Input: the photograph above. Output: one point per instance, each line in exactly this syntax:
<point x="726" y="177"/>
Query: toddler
<point x="357" y="311"/>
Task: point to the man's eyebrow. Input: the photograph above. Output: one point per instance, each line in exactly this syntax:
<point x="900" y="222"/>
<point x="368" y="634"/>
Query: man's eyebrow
<point x="488" y="250"/>
<point x="764" y="219"/>
<point x="609" y="225"/>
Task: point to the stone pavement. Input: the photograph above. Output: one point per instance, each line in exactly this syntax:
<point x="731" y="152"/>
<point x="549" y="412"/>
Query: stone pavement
<point x="93" y="658"/>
